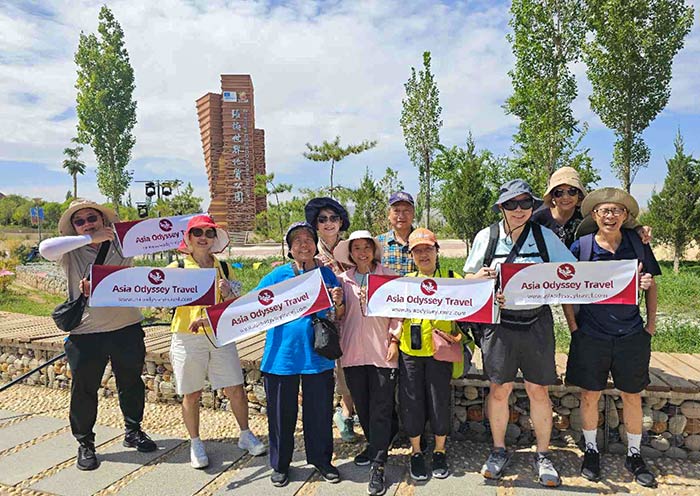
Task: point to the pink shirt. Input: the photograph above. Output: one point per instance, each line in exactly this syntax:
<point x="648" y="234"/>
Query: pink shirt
<point x="364" y="340"/>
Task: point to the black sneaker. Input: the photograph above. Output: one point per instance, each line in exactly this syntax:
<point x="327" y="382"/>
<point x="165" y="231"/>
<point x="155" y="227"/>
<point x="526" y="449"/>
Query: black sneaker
<point x="139" y="440"/>
<point x="418" y="471"/>
<point x="440" y="469"/>
<point x="279" y="479"/>
<point x="329" y="473"/>
<point x="590" y="469"/>
<point x="87" y="458"/>
<point x="376" y="485"/>
<point x="642" y="475"/>
<point x="362" y="458"/>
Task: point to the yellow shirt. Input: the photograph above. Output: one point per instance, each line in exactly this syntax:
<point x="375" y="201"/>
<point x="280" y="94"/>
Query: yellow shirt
<point x="426" y="326"/>
<point x="185" y="315"/>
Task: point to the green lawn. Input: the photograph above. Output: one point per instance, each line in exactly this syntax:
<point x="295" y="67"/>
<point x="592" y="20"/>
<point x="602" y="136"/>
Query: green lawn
<point x="21" y="299"/>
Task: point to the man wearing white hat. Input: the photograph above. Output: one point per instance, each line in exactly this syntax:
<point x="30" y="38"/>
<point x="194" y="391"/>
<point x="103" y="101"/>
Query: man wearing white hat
<point x="103" y="334"/>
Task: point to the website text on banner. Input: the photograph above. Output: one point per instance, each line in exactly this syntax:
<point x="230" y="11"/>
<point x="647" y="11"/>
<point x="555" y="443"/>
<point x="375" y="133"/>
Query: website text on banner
<point x="116" y="286"/>
<point x="141" y="237"/>
<point x="270" y="307"/>
<point x="611" y="282"/>
<point x="431" y="298"/>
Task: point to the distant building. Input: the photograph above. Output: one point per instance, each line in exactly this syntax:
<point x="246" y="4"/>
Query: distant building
<point x="234" y="153"/>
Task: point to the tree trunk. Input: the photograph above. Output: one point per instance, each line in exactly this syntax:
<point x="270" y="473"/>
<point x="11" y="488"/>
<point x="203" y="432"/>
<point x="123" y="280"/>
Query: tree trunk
<point x="75" y="185"/>
<point x="332" y="167"/>
<point x="427" y="191"/>
<point x="677" y="253"/>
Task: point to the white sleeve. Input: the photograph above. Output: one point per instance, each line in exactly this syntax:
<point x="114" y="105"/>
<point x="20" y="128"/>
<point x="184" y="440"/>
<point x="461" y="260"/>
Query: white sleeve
<point x="475" y="260"/>
<point x="54" y="248"/>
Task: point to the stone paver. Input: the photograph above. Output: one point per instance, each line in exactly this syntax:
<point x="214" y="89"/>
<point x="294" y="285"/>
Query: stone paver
<point x="457" y="484"/>
<point x="33" y="460"/>
<point x="177" y="467"/>
<point x="116" y="462"/>
<point x="354" y="480"/>
<point x="24" y="431"/>
<point x="254" y="478"/>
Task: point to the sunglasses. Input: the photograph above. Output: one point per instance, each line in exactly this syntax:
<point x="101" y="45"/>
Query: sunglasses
<point x="81" y="222"/>
<point x="322" y="219"/>
<point x="525" y="204"/>
<point x="197" y="232"/>
<point x="558" y="193"/>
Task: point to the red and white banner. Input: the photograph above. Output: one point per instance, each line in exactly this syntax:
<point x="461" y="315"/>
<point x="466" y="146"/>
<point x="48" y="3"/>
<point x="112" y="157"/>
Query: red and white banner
<point x="270" y="307"/>
<point x="427" y="298"/>
<point x="115" y="286"/>
<point x="140" y="237"/>
<point x="613" y="281"/>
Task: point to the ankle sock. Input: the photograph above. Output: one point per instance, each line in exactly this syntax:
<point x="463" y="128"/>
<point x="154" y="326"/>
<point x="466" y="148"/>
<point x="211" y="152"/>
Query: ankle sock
<point x="590" y="438"/>
<point x="633" y="443"/>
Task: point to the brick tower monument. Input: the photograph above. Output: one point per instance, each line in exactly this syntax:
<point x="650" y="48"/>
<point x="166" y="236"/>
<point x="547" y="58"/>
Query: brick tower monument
<point x="234" y="153"/>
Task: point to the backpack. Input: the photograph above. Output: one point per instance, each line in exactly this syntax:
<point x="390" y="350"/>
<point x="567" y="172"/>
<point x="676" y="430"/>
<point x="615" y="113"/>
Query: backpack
<point x="494" y="231"/>
<point x="586" y="245"/>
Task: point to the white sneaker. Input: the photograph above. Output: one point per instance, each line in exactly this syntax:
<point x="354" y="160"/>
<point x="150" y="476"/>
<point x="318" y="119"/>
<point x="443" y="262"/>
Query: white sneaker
<point x="198" y="455"/>
<point x="248" y="441"/>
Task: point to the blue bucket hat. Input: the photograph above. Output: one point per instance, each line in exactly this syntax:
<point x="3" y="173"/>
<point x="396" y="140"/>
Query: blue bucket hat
<point x="511" y="189"/>
<point x="294" y="227"/>
<point x="315" y="205"/>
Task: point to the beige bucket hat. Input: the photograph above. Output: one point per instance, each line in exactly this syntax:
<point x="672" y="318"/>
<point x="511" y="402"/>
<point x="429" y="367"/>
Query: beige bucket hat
<point x="564" y="175"/>
<point x="342" y="252"/>
<point x="65" y="226"/>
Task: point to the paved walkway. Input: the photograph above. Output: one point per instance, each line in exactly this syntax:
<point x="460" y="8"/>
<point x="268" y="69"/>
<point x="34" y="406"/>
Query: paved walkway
<point x="37" y="456"/>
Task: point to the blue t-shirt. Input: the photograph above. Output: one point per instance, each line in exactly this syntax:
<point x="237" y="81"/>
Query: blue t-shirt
<point x="613" y="321"/>
<point x="289" y="348"/>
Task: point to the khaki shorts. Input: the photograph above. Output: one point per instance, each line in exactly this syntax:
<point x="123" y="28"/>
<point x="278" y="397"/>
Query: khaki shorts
<point x="194" y="359"/>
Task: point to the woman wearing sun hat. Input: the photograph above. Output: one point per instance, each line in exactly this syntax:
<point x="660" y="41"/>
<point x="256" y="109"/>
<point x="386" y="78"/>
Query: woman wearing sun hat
<point x="612" y="339"/>
<point x="192" y="353"/>
<point x="370" y="353"/>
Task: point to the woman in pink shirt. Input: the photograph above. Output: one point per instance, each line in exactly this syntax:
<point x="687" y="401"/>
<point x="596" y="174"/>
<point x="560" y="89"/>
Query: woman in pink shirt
<point x="370" y="353"/>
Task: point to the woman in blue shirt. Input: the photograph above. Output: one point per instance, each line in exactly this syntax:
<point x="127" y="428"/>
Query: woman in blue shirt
<point x="289" y="358"/>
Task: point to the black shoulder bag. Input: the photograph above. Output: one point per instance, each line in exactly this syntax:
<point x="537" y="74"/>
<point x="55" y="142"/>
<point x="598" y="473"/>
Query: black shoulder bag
<point x="326" y="335"/>
<point x="67" y="315"/>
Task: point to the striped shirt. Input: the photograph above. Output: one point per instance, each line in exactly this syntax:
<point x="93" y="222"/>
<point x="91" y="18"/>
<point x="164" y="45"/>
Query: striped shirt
<point x="395" y="255"/>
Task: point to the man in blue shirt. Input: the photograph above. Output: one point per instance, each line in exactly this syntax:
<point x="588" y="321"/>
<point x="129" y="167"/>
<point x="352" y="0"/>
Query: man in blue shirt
<point x="612" y="338"/>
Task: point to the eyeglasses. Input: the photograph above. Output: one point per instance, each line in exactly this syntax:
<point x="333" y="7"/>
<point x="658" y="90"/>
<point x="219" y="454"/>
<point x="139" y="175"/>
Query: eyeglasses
<point x="558" y="193"/>
<point x="615" y="212"/>
<point x="197" y="232"/>
<point x="81" y="222"/>
<point x="525" y="204"/>
<point x="322" y="219"/>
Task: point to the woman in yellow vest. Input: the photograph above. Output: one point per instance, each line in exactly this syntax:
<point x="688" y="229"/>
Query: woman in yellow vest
<point x="192" y="353"/>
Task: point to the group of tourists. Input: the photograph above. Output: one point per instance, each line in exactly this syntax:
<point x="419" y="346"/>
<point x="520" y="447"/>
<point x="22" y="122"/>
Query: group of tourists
<point x="388" y="374"/>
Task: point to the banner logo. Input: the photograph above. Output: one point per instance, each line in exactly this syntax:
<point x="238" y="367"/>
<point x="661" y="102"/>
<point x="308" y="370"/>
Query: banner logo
<point x="165" y="225"/>
<point x="566" y="271"/>
<point x="266" y="297"/>
<point x="428" y="287"/>
<point x="156" y="276"/>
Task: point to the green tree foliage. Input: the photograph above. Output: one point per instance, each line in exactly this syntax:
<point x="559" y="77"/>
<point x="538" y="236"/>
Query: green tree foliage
<point x="371" y="201"/>
<point x="73" y="164"/>
<point x="546" y="40"/>
<point x="181" y="203"/>
<point x="331" y="151"/>
<point x="105" y="106"/>
<point x="467" y="185"/>
<point x="629" y="63"/>
<point x="674" y="212"/>
<point x="278" y="212"/>
<point x="420" y="121"/>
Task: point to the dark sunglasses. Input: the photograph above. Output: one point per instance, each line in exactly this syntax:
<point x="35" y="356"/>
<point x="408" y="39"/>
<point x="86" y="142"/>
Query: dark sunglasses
<point x="558" y="193"/>
<point x="198" y="231"/>
<point x="322" y="219"/>
<point x="81" y="222"/>
<point x="525" y="204"/>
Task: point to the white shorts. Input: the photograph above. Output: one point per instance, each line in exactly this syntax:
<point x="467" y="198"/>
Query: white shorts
<point x="194" y="358"/>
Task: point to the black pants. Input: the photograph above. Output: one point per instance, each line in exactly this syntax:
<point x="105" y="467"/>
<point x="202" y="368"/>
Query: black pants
<point x="282" y="392"/>
<point x="87" y="356"/>
<point x="372" y="390"/>
<point x="424" y="386"/>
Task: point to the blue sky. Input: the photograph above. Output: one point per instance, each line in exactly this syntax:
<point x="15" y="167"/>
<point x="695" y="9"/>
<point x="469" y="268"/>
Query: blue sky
<point x="320" y="69"/>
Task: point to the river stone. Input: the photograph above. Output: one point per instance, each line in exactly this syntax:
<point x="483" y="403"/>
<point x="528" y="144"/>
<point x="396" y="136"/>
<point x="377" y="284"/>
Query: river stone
<point x="677" y="423"/>
<point x="660" y="404"/>
<point x="691" y="409"/>
<point x="562" y="410"/>
<point x="575" y="421"/>
<point x="677" y="453"/>
<point x="647" y="420"/>
<point x="693" y="442"/>
<point x="471" y="393"/>
<point x="560" y="422"/>
<point x="694" y="456"/>
<point x="475" y="413"/>
<point x="569" y="401"/>
<point x="461" y="413"/>
<point x="512" y="433"/>
<point x="623" y="433"/>
<point x="612" y="417"/>
<point x="477" y="427"/>
<point x="649" y="452"/>
<point x="525" y="423"/>
<point x="660" y="443"/>
<point x="693" y="426"/>
<point x="617" y="449"/>
<point x="659" y="416"/>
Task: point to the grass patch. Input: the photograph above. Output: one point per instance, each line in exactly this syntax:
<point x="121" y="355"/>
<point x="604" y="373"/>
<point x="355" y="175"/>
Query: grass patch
<point x="21" y="299"/>
<point x="680" y="293"/>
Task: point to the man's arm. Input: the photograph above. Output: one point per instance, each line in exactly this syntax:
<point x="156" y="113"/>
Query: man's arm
<point x="570" y="317"/>
<point x="54" y="248"/>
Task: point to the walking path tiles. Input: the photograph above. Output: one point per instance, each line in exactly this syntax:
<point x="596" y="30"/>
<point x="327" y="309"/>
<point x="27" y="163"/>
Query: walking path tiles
<point x="116" y="462"/>
<point x="354" y="480"/>
<point x="33" y="460"/>
<point x="457" y="484"/>
<point x="254" y="478"/>
<point x="7" y="415"/>
<point x="24" y="431"/>
<point x="176" y="467"/>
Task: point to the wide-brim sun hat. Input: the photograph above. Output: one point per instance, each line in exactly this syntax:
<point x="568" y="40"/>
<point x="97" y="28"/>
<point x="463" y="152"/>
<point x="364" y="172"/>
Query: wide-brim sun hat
<point x="315" y="205"/>
<point x="607" y="195"/>
<point x="342" y="252"/>
<point x="65" y="226"/>
<point x="564" y="175"/>
<point x="294" y="227"/>
<point x="204" y="222"/>
<point x="512" y="189"/>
